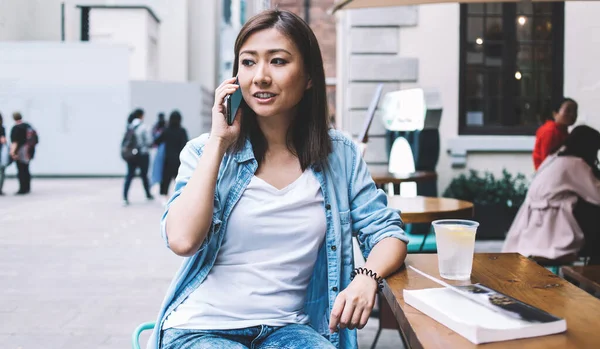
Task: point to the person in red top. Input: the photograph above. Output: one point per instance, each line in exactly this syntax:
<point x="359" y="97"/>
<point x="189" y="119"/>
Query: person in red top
<point x="551" y="135"/>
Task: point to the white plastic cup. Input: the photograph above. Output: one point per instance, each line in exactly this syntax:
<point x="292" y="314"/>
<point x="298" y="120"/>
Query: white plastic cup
<point x="455" y="240"/>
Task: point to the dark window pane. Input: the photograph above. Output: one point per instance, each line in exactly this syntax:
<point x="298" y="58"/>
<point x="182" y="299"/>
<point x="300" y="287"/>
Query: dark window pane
<point x="543" y="56"/>
<point x="524" y="25"/>
<point x="494" y="42"/>
<point x="493" y="55"/>
<point x="524" y="8"/>
<point x="494" y="83"/>
<point x="542" y="29"/>
<point x="530" y="111"/>
<point x="509" y="77"/>
<point x="542" y="8"/>
<point x="493" y="29"/>
<point x="493" y="112"/>
<point x="545" y="109"/>
<point x="474" y="54"/>
<point x="475" y="9"/>
<point x="525" y="111"/>
<point x="525" y="84"/>
<point x="474" y="29"/>
<point x="474" y="112"/>
<point x="493" y="8"/>
<point x="474" y="82"/>
<point x="525" y="57"/>
<point x="545" y="84"/>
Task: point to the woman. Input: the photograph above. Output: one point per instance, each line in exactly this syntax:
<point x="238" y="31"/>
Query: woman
<point x="159" y="126"/>
<point x="265" y="211"/>
<point x="142" y="159"/>
<point x="174" y="138"/>
<point x="545" y="227"/>
<point x="4" y="153"/>
<point x="551" y="135"/>
<point x="158" y="156"/>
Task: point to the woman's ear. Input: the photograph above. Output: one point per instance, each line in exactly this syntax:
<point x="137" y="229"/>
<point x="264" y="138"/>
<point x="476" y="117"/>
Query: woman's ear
<point x="309" y="84"/>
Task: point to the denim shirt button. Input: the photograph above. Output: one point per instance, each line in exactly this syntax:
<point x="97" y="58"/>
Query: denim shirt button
<point x="334" y="289"/>
<point x="328" y="207"/>
<point x="333" y="248"/>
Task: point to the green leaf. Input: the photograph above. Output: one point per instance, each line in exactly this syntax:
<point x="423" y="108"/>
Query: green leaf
<point x="485" y="189"/>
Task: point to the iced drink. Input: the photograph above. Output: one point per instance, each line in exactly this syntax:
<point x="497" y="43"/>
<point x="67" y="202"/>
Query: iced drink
<point x="455" y="239"/>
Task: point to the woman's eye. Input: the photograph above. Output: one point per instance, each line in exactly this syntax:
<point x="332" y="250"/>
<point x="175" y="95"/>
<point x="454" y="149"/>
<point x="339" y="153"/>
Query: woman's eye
<point x="278" y="61"/>
<point x="247" y="62"/>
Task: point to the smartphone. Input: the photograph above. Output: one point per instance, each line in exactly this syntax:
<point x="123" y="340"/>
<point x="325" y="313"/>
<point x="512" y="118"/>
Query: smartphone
<point x="233" y="102"/>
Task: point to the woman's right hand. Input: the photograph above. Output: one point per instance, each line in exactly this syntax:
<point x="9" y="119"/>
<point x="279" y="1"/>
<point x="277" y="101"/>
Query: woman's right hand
<point x="220" y="129"/>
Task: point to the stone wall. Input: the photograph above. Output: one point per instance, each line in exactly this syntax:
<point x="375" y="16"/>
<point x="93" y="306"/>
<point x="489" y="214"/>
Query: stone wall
<point x="370" y="47"/>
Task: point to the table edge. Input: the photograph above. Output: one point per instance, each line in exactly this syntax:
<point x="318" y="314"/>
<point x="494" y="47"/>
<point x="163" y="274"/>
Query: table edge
<point x="409" y="336"/>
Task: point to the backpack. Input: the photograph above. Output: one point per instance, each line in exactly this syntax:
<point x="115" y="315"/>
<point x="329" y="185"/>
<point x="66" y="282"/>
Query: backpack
<point x="130" y="147"/>
<point x="27" y="150"/>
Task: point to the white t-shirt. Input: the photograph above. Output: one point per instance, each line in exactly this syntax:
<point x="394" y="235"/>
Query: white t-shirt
<point x="265" y="263"/>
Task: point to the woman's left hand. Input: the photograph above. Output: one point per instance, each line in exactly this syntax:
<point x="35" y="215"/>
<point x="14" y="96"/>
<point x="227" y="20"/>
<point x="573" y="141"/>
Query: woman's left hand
<point x="353" y="305"/>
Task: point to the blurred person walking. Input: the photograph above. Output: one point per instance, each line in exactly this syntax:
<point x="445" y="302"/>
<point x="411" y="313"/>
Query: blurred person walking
<point x="159" y="126"/>
<point x="158" y="155"/>
<point x="4" y="156"/>
<point x="135" y="151"/>
<point x="23" y="139"/>
<point x="173" y="139"/>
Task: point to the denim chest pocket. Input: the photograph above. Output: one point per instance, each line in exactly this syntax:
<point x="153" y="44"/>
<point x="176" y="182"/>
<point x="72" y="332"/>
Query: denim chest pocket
<point x="345" y="218"/>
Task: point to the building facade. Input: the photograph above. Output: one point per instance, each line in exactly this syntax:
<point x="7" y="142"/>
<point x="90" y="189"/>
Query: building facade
<point x="497" y="68"/>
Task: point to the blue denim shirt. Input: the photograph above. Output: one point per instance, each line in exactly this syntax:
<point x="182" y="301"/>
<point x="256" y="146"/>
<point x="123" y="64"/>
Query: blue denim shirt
<point x="352" y="204"/>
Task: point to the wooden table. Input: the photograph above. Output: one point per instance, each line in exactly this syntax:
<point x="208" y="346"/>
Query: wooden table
<point x="422" y="209"/>
<point x="381" y="178"/>
<point x="587" y="277"/>
<point x="509" y="273"/>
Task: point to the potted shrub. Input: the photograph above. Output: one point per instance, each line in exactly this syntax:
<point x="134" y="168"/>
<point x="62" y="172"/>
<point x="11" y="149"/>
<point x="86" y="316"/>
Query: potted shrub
<point x="496" y="200"/>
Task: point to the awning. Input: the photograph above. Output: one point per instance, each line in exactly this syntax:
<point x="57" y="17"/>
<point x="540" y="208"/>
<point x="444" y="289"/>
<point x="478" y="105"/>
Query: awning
<point x="349" y="4"/>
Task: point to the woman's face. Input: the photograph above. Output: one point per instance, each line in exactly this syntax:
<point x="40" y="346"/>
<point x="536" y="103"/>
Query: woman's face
<point x="567" y="114"/>
<point x="271" y="74"/>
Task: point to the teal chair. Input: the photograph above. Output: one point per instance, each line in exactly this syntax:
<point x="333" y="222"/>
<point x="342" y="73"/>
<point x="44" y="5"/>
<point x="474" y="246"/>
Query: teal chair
<point x="418" y="243"/>
<point x="135" y="338"/>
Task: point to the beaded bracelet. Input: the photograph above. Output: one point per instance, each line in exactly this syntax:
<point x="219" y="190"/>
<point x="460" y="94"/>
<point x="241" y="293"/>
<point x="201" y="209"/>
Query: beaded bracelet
<point x="370" y="273"/>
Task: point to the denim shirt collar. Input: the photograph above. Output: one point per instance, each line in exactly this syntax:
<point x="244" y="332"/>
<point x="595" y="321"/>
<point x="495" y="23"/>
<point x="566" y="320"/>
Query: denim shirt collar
<point x="246" y="154"/>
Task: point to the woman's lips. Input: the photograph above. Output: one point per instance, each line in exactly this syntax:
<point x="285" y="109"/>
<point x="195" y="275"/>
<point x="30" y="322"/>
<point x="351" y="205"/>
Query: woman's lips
<point x="264" y="98"/>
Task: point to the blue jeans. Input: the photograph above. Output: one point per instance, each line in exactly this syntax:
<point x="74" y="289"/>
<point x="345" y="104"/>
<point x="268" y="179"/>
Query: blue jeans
<point x="142" y="162"/>
<point x="257" y="337"/>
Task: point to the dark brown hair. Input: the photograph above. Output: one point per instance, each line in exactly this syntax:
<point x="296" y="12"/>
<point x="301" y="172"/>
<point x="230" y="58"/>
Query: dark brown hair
<point x="583" y="142"/>
<point x="308" y="136"/>
<point x="17" y="116"/>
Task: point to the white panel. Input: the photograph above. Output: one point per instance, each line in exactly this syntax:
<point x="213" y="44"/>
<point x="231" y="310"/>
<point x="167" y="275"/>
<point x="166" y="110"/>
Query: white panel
<point x="360" y="93"/>
<point x="390" y="16"/>
<point x="374" y="40"/>
<point x="582" y="72"/>
<point x="203" y="35"/>
<point x="127" y="27"/>
<point x="357" y="119"/>
<point x="76" y="96"/>
<point x="376" y="150"/>
<point x="155" y="97"/>
<point x="377" y="168"/>
<point x="383" y="68"/>
<point x="173" y="40"/>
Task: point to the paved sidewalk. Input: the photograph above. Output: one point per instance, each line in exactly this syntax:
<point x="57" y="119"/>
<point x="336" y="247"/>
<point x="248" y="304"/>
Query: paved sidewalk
<point x="79" y="271"/>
